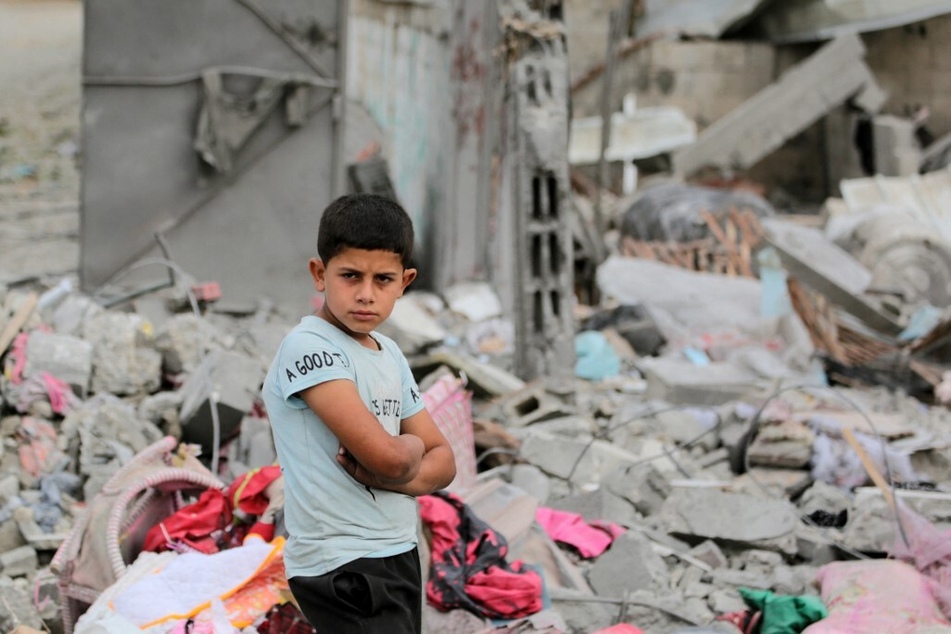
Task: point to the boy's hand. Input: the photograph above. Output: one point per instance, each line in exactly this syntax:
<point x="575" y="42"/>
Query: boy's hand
<point x="356" y="470"/>
<point x="366" y="477"/>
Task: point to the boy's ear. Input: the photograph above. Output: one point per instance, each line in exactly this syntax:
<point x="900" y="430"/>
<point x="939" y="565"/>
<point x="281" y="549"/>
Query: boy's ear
<point x="408" y="276"/>
<point x="317" y="271"/>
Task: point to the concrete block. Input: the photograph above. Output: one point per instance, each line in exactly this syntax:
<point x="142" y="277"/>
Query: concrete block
<point x="256" y="444"/>
<point x="726" y="601"/>
<point x="581" y="614"/>
<point x="598" y="505"/>
<point x="731" y="518"/>
<point x="233" y="381"/>
<point x="73" y="312"/>
<point x="896" y="149"/>
<point x="65" y="357"/>
<point x="10" y="536"/>
<point x="9" y="487"/>
<point x="532" y="404"/>
<point x="183" y="340"/>
<point x="573" y="458"/>
<point x="17" y="607"/>
<point x="763" y="123"/>
<point x="161" y="409"/>
<point x="751" y="577"/>
<point x="532" y="480"/>
<point x="19" y="562"/>
<point x="628" y="566"/>
<point x="680" y="382"/>
<point x="709" y="553"/>
<point x="124" y="361"/>
<point x="642" y="485"/>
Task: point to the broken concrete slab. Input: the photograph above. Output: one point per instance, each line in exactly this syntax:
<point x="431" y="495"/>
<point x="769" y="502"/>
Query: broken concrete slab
<point x="803" y="95"/>
<point x="485" y="379"/>
<point x="644" y="133"/>
<point x="578" y="460"/>
<point x="681" y="382"/>
<point x="628" y="566"/>
<point x="695" y="18"/>
<point x="830" y="270"/>
<point x="731" y="519"/>
<point x="641" y="485"/>
<point x="817" y="20"/>
<point x="412" y="326"/>
<point x="223" y="387"/>
<point x="65" y="357"/>
<point x="601" y="504"/>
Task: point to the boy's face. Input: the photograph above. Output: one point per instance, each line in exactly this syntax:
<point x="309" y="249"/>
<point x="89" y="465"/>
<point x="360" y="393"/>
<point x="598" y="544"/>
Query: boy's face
<point x="360" y="288"/>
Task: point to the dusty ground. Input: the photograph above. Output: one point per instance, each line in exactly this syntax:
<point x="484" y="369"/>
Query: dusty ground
<point x="40" y="53"/>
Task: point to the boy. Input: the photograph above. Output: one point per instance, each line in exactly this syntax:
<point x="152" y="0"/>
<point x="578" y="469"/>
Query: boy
<point x="355" y="443"/>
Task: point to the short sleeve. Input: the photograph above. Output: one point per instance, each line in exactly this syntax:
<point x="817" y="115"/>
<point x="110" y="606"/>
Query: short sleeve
<point x="307" y="359"/>
<point x="412" y="398"/>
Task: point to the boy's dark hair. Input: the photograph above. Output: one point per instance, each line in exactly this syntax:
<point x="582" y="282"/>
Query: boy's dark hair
<point x="365" y="221"/>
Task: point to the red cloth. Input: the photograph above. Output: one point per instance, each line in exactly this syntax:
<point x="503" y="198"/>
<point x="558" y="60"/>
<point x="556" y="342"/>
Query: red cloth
<point x="469" y="569"/>
<point x="195" y="525"/>
<point x="246" y="493"/>
<point x="285" y="619"/>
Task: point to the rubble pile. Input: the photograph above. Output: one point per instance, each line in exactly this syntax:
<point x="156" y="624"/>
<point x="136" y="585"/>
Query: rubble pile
<point x="700" y="454"/>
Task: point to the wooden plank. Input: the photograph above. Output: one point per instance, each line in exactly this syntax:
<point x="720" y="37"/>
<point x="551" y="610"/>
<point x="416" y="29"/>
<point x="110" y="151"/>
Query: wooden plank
<point x="16" y="322"/>
<point x="870" y="468"/>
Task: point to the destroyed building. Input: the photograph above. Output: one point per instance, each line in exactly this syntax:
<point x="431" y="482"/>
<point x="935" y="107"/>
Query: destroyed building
<point x="684" y="312"/>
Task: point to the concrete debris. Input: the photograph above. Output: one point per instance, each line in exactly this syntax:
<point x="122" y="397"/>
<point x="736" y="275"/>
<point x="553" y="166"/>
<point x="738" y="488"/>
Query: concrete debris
<point x="731" y="518"/>
<point x="826" y="80"/>
<point x="744" y="341"/>
<point x="644" y="133"/>
<point x="695" y="18"/>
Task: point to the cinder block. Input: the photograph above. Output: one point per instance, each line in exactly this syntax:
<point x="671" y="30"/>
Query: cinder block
<point x="233" y="380"/>
<point x="66" y="358"/>
<point x="683" y="383"/>
<point x="19" y="562"/>
<point x="124" y="360"/>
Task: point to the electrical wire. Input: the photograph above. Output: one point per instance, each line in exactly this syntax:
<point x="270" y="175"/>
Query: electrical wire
<point x="753" y="425"/>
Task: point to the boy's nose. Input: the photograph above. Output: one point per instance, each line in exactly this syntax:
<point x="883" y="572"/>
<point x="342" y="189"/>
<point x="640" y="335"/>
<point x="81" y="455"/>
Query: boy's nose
<point x="365" y="293"/>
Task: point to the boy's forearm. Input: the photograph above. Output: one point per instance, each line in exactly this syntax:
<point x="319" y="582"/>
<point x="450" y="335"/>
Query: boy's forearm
<point x="436" y="470"/>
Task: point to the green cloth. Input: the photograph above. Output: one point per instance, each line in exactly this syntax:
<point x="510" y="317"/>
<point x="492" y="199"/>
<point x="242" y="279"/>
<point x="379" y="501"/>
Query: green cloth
<point x="783" y="614"/>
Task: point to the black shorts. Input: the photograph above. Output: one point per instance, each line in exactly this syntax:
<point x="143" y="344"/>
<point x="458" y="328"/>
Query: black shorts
<point x="366" y="596"/>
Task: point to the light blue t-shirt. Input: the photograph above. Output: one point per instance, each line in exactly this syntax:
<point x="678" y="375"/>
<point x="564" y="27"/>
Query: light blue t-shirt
<point x="331" y="518"/>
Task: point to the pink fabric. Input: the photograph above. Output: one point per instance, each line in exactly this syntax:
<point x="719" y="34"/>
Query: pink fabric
<point x="18" y="354"/>
<point x="60" y="394"/>
<point x="929" y="550"/>
<point x="877" y="595"/>
<point x="621" y="628"/>
<point x="450" y="405"/>
<point x="589" y="539"/>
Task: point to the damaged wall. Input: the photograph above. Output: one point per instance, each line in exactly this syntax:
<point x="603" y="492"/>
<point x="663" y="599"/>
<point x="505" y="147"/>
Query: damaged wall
<point x="708" y="79"/>
<point x="421" y="73"/>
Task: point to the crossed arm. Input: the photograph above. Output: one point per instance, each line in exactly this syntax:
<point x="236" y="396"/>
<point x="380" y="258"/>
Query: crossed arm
<point x="417" y="462"/>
